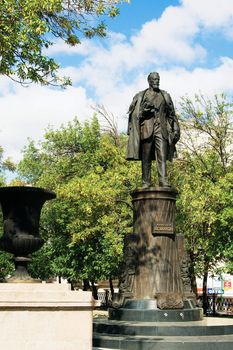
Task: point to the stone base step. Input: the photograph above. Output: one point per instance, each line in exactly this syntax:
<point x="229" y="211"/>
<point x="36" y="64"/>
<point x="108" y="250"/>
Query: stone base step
<point x="156" y="315"/>
<point x="106" y="341"/>
<point x="207" y="327"/>
<point x="101" y="348"/>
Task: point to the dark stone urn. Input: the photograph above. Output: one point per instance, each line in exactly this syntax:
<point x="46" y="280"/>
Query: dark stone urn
<point x="21" y="208"/>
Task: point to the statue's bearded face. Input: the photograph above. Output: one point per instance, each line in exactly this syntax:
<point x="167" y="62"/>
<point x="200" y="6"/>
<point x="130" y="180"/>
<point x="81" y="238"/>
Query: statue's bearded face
<point x="153" y="81"/>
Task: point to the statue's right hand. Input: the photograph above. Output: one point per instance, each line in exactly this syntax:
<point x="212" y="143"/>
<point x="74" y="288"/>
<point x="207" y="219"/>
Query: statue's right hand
<point x="147" y="112"/>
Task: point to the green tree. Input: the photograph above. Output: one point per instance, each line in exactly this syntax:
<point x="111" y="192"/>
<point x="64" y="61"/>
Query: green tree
<point x="203" y="177"/>
<point x="28" y="27"/>
<point x="86" y="224"/>
<point x="6" y="264"/>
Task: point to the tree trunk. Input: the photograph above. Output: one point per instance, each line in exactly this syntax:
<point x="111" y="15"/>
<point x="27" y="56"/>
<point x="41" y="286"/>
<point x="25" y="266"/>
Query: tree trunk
<point x="204" y="288"/>
<point x="192" y="273"/>
<point x="111" y="287"/>
<point x="86" y="285"/>
<point x="94" y="290"/>
<point x="71" y="284"/>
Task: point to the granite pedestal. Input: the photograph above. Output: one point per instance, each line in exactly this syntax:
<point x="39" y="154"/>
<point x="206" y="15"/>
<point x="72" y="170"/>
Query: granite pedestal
<point x="151" y="263"/>
<point x="155" y="308"/>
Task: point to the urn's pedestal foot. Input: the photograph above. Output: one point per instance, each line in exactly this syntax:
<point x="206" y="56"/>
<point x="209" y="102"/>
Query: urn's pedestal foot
<point x="21" y="275"/>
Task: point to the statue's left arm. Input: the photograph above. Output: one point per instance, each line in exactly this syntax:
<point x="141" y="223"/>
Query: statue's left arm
<point x="172" y="118"/>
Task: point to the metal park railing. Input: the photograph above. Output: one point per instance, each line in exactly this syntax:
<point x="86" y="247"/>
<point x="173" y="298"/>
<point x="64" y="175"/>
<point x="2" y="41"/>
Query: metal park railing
<point x="220" y="305"/>
<point x="105" y="298"/>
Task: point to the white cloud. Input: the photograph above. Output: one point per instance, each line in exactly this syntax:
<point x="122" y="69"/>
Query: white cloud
<point x="170" y="38"/>
<point x="5" y="86"/>
<point x="83" y="49"/>
<point x="180" y="82"/>
<point x="86" y="47"/>
<point x="210" y="13"/>
<point x="27" y="112"/>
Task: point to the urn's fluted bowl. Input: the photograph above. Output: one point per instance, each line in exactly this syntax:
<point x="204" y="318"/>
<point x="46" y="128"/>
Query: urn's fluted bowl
<point x="21" y="207"/>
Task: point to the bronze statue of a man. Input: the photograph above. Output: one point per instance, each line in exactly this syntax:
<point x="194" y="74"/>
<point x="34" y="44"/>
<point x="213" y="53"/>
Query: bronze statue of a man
<point x="153" y="130"/>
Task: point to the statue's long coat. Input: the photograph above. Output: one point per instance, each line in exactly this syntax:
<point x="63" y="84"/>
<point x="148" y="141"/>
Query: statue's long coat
<point x="168" y="123"/>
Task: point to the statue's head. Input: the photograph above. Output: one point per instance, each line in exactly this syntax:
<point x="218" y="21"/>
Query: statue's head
<point x="153" y="80"/>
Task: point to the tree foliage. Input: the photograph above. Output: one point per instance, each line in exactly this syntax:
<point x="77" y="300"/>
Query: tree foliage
<point x="28" y="28"/>
<point x="204" y="179"/>
<point x="86" y="224"/>
<point x="6" y="264"/>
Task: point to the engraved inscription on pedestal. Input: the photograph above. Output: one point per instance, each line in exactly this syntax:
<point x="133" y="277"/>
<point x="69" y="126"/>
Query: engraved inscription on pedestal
<point x="162" y="229"/>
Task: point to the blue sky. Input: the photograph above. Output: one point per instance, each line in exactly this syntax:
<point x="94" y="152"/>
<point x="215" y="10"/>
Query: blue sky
<point x="189" y="42"/>
<point x="137" y="12"/>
